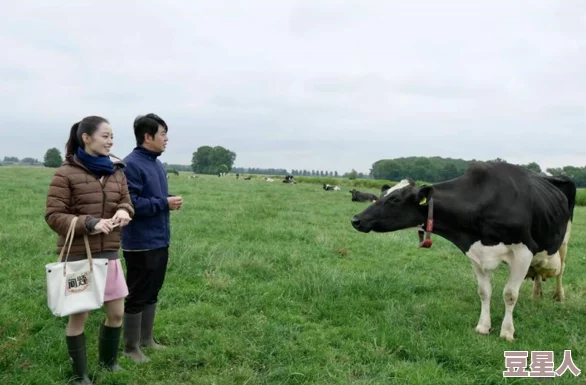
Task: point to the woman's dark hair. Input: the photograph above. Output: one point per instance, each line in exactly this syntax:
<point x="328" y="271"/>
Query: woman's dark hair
<point x="87" y="125"/>
<point x="147" y="124"/>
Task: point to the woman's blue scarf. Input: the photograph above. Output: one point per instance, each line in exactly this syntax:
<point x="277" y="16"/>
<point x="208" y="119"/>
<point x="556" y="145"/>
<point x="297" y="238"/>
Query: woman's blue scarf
<point x="99" y="165"/>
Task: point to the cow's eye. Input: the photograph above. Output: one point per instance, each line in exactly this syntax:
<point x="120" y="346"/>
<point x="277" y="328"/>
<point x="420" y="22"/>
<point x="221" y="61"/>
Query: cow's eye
<point x="393" y="200"/>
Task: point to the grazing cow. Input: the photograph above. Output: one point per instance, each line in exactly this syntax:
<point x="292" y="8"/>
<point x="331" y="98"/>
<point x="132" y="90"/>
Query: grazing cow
<point x="358" y="196"/>
<point x="495" y="212"/>
<point x="329" y="187"/>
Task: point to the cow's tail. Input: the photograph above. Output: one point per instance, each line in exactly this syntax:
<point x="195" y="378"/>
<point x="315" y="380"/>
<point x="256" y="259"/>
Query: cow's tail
<point x="568" y="187"/>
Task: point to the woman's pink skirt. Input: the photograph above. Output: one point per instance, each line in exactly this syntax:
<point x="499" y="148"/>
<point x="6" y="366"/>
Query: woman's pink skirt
<point x="115" y="283"/>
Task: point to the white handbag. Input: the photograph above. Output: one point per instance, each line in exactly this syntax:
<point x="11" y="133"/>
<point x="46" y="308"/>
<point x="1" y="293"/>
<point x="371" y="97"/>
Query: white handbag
<point x="79" y="286"/>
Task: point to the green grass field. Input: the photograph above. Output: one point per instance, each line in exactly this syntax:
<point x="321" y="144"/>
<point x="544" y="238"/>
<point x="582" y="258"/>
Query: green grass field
<point x="268" y="283"/>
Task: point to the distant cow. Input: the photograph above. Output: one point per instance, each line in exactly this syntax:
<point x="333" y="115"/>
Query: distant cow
<point x="289" y="179"/>
<point x="329" y="187"/>
<point x="358" y="196"/>
<point x="494" y="213"/>
<point x="269" y="179"/>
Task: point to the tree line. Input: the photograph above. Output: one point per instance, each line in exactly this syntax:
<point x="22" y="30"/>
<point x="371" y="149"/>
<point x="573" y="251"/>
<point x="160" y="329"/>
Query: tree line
<point x="437" y="169"/>
<point x="217" y="159"/>
<point x="12" y="160"/>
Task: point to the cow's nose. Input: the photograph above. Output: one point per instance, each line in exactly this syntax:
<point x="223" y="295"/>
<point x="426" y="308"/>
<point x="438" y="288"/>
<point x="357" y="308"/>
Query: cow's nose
<point x="355" y="221"/>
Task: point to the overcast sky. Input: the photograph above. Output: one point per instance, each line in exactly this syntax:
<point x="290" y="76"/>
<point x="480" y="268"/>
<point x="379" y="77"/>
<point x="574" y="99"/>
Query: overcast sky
<point x="329" y="85"/>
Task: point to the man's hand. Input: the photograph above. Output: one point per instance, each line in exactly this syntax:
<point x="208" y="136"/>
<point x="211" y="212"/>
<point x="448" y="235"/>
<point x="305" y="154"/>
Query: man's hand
<point x="175" y="203"/>
<point x="121" y="218"/>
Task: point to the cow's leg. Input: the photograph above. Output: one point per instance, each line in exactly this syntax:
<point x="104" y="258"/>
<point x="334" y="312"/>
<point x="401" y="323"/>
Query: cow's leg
<point x="537" y="289"/>
<point x="485" y="292"/>
<point x="559" y="294"/>
<point x="518" y="267"/>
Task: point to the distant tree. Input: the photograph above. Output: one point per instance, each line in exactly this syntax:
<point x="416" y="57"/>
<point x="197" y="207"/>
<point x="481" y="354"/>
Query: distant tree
<point x="179" y="167"/>
<point x="10" y="160"/>
<point x="53" y="158"/>
<point x="533" y="167"/>
<point x="449" y="171"/>
<point x="352" y="174"/>
<point x="30" y="161"/>
<point x="556" y="171"/>
<point x="208" y="160"/>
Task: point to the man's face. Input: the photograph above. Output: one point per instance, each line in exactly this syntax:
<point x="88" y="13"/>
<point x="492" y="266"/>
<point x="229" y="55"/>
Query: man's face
<point x="159" y="142"/>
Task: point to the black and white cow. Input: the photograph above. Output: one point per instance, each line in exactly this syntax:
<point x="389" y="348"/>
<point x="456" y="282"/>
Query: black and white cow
<point x="329" y="187"/>
<point x="358" y="196"/>
<point x="495" y="212"/>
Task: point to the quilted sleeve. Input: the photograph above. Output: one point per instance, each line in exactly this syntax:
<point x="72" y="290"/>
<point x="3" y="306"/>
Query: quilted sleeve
<point x="58" y="207"/>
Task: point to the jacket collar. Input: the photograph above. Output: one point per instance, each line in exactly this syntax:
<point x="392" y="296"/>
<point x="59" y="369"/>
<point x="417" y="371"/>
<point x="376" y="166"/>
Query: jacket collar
<point x="147" y="153"/>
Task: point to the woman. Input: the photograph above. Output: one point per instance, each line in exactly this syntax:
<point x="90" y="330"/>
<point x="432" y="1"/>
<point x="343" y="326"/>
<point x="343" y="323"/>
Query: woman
<point x="92" y="187"/>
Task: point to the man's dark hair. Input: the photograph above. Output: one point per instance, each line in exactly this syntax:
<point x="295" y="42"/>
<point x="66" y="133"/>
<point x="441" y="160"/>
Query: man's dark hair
<point x="147" y="124"/>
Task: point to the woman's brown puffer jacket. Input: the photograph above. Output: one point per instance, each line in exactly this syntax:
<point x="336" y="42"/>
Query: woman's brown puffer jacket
<point x="75" y="191"/>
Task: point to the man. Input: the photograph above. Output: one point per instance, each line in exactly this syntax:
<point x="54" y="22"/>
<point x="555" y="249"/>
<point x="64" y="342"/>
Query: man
<point x="145" y="241"/>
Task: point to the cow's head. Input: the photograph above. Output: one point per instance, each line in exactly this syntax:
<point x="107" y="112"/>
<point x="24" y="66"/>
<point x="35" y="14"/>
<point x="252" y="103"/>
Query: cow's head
<point x="400" y="207"/>
<point x="353" y="192"/>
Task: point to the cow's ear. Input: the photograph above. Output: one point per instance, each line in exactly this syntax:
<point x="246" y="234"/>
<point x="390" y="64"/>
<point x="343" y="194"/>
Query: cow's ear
<point x="424" y="194"/>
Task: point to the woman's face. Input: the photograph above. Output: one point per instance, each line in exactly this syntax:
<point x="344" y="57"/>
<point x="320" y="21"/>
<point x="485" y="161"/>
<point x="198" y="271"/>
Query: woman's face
<point x="100" y="142"/>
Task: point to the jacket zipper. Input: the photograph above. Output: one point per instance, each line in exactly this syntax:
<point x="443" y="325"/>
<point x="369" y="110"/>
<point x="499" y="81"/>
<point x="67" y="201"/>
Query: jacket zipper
<point x="103" y="184"/>
<point x="103" y="198"/>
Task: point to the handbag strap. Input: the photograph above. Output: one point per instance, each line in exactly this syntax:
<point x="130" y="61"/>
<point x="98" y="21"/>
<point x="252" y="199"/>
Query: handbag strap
<point x="68" y="239"/>
<point x="88" y="252"/>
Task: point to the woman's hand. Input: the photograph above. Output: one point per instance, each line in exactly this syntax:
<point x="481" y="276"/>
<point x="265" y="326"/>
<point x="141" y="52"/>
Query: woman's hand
<point x="121" y="218"/>
<point x="104" y="226"/>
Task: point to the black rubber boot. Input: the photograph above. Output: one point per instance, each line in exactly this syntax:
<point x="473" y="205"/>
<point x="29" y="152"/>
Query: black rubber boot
<point x="132" y="350"/>
<point x="146" y="331"/>
<point x="108" y="344"/>
<point x="77" y="355"/>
